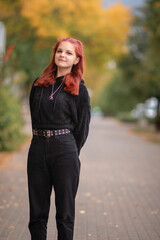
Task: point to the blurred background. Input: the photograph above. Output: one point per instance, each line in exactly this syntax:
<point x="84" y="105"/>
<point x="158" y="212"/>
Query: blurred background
<point x="122" y="65"/>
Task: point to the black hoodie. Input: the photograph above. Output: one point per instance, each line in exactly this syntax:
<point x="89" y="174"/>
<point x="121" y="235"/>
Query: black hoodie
<point x="64" y="111"/>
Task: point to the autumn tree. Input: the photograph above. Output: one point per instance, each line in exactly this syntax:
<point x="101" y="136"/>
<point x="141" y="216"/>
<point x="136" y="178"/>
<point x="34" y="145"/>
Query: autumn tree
<point x="153" y="54"/>
<point x="38" y="24"/>
<point x="138" y="72"/>
<point x="103" y="31"/>
<point x="33" y="27"/>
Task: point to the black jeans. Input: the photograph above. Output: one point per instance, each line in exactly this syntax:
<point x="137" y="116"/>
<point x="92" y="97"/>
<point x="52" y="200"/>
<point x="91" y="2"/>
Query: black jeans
<point x="53" y="162"/>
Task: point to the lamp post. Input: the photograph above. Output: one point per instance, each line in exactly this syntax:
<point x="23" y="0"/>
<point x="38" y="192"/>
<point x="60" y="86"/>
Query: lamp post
<point x="2" y="43"/>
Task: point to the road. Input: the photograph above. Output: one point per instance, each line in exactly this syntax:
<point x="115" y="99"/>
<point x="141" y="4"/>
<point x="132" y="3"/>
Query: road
<point x="119" y="190"/>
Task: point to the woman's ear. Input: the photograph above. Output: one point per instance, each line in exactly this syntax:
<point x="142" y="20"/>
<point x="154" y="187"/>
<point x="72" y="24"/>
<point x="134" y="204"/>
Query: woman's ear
<point x="76" y="61"/>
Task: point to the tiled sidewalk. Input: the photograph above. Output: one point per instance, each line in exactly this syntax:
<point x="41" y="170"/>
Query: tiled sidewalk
<point x="118" y="196"/>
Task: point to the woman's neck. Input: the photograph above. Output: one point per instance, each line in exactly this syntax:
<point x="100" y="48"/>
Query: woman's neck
<point x="62" y="71"/>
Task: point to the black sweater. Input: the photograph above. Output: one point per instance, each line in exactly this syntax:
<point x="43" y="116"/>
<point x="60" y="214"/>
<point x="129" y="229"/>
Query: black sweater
<point x="64" y="111"/>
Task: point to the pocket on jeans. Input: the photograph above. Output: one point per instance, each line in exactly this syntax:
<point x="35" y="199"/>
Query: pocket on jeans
<point x="65" y="138"/>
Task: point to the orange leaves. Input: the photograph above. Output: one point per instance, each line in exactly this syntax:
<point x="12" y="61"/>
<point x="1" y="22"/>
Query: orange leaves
<point x="87" y="15"/>
<point x="116" y="21"/>
<point x="38" y="7"/>
<point x="50" y="18"/>
<point x="157" y="4"/>
<point x="46" y="16"/>
<point x="11" y="227"/>
<point x="8" y="10"/>
<point x="104" y="30"/>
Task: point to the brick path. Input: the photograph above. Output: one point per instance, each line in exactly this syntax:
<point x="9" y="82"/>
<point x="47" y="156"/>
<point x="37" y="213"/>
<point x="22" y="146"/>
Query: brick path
<point x="119" y="191"/>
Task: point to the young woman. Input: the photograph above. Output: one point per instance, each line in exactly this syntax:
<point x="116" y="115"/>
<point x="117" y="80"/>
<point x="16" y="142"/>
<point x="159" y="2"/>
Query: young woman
<point x="60" y="114"/>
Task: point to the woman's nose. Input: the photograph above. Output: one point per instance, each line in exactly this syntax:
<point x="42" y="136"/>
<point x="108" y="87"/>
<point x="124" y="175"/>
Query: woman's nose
<point x="62" y="53"/>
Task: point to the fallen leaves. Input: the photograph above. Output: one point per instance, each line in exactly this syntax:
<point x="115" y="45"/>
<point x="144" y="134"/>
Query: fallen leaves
<point x="136" y="204"/>
<point x="15" y="204"/>
<point x="154" y="212"/>
<point x="11" y="227"/>
<point x="109" y="194"/>
<point x="112" y="203"/>
<point x="105" y="213"/>
<point x="82" y="212"/>
<point x="10" y="189"/>
<point x="87" y="194"/>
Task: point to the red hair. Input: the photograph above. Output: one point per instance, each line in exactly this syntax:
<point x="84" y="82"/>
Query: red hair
<point x="72" y="79"/>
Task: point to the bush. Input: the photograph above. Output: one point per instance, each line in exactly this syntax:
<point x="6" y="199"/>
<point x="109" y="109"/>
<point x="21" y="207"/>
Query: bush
<point x="10" y="121"/>
<point x="116" y="96"/>
<point x="126" y="117"/>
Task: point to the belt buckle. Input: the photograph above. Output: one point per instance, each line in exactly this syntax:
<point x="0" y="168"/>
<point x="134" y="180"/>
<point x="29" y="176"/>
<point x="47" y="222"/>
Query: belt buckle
<point x="35" y="132"/>
<point x="48" y="133"/>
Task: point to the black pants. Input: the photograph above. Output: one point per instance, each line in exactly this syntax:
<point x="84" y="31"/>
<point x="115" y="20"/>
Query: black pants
<point x="53" y="162"/>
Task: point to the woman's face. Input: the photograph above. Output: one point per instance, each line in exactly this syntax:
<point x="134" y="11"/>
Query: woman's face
<point x="65" y="56"/>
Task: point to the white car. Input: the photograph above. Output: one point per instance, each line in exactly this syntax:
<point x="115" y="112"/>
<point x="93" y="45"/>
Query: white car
<point x="150" y="110"/>
<point x="138" y="111"/>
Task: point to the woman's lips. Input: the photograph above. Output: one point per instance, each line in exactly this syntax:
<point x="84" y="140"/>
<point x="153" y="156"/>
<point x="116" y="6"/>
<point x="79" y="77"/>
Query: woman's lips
<point x="61" y="60"/>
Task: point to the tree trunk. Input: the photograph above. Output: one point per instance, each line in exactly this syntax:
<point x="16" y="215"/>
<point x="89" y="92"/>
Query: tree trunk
<point x="157" y="122"/>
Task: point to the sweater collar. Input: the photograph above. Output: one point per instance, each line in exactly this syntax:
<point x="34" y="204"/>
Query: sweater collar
<point x="59" y="78"/>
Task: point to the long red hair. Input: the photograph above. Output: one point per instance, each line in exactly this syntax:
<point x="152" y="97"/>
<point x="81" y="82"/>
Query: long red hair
<point x="72" y="79"/>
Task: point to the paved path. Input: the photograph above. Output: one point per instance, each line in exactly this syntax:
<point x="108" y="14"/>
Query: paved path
<point x="119" y="191"/>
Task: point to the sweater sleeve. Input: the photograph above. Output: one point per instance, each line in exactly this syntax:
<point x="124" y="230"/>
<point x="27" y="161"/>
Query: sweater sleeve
<point x="32" y="93"/>
<point x="81" y="130"/>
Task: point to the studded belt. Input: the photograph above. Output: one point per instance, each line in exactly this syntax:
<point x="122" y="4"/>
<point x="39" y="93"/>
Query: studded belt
<point x="49" y="133"/>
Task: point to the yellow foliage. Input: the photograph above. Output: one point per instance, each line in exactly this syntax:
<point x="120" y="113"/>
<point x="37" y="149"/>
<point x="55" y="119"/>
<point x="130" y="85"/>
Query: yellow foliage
<point x="115" y="25"/>
<point x="55" y="18"/>
<point x="101" y="29"/>
<point x="48" y="17"/>
<point x="8" y="10"/>
<point x="157" y="4"/>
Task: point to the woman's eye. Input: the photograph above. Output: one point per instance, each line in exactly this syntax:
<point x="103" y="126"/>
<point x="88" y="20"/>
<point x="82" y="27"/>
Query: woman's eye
<point x="60" y="51"/>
